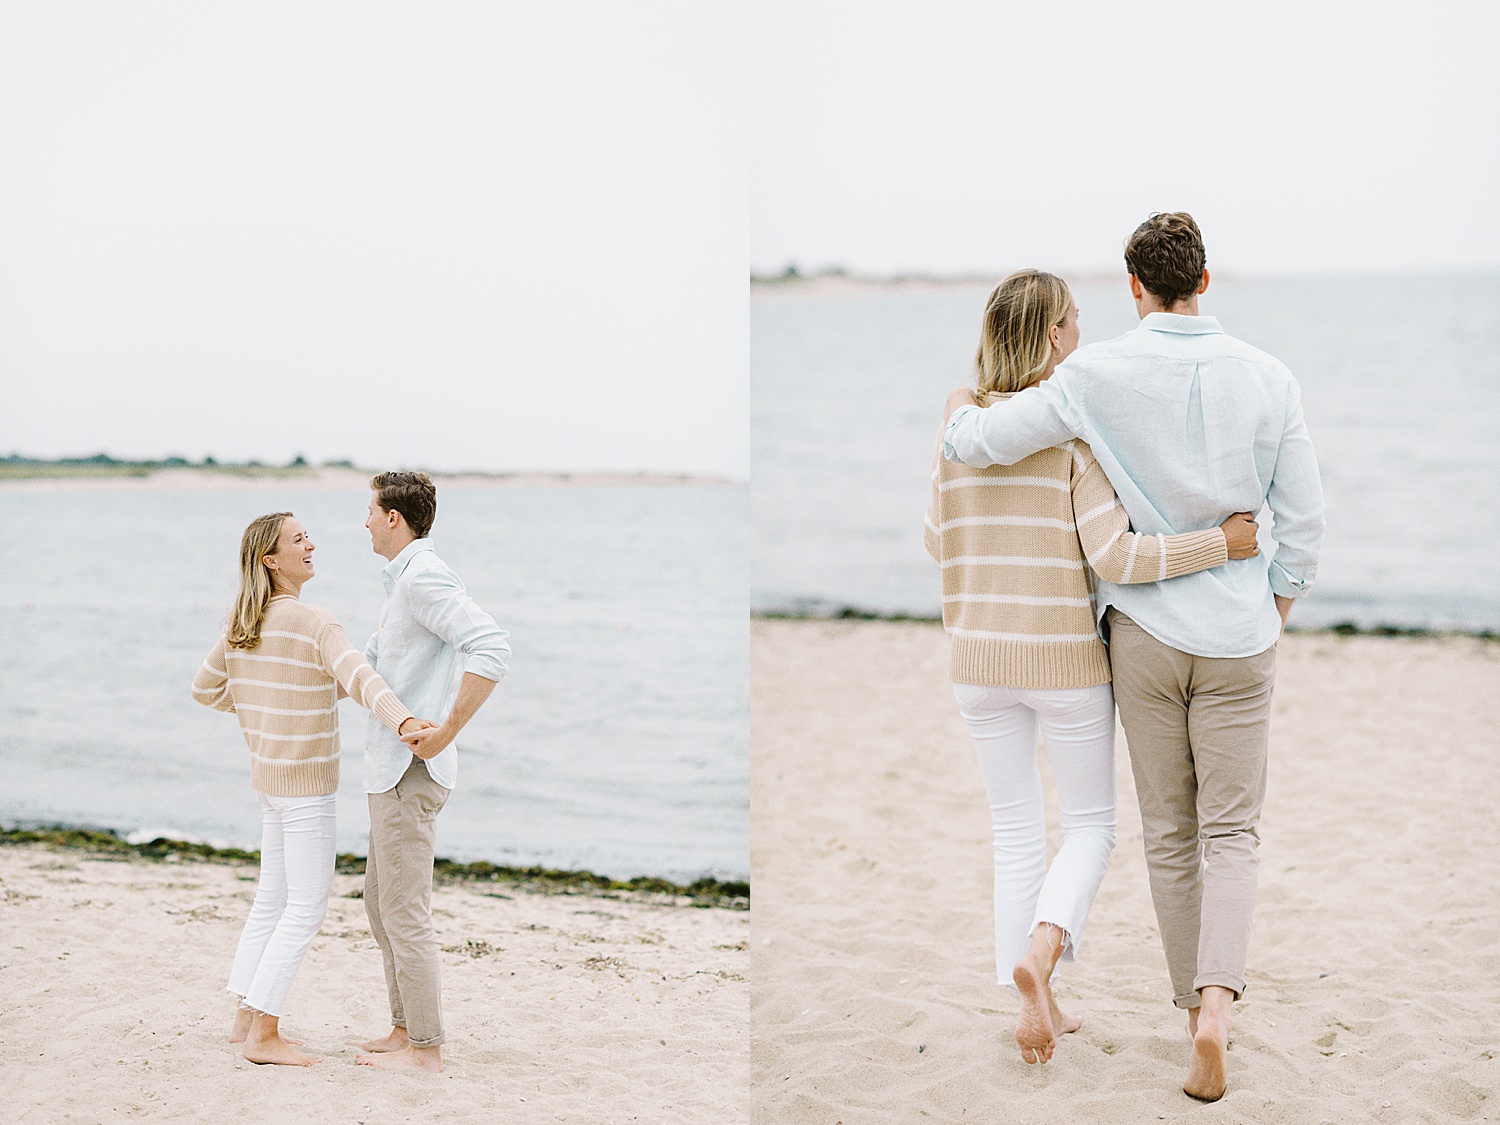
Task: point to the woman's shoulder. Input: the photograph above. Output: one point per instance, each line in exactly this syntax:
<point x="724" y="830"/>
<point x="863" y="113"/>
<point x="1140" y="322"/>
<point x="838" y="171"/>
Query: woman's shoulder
<point x="294" y="613"/>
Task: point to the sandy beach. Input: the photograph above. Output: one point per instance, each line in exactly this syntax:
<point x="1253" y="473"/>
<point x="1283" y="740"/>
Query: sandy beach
<point x="559" y="1007"/>
<point x="1374" y="977"/>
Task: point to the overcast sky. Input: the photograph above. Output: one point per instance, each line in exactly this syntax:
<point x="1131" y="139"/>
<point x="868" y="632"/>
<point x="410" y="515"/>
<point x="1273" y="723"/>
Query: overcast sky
<point x="452" y="234"/>
<point x="975" y="135"/>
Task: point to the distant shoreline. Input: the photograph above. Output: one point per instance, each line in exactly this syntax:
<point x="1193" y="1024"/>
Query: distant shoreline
<point x="128" y="477"/>
<point x="1338" y="629"/>
<point x="731" y="894"/>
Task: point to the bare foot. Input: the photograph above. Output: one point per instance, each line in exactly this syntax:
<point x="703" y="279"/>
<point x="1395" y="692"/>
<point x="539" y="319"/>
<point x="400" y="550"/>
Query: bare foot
<point x="1207" y="1070"/>
<point x="1034" y="1030"/>
<point x="1192" y="1022"/>
<point x="1061" y="1023"/>
<point x="428" y="1060"/>
<point x="240" y="1028"/>
<point x="278" y="1051"/>
<point x="395" y="1041"/>
<point x="264" y="1044"/>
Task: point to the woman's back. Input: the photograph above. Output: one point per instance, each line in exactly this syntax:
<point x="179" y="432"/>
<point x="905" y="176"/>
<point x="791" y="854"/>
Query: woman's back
<point x="1017" y="596"/>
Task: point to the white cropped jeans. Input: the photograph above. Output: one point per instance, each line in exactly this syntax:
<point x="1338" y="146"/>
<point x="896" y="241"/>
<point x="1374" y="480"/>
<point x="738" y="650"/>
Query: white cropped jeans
<point x="296" y="874"/>
<point x="1078" y="727"/>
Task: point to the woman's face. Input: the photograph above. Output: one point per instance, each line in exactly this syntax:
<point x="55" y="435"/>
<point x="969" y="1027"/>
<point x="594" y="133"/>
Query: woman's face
<point x="1065" y="335"/>
<point x="293" y="558"/>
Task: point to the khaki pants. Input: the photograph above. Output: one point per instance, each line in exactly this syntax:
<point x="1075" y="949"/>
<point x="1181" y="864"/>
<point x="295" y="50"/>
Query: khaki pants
<point x="398" y="899"/>
<point x="1198" y="729"/>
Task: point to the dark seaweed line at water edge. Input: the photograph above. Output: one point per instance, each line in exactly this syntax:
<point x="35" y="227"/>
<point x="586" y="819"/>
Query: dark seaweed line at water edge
<point x="705" y="892"/>
<point x="1338" y="629"/>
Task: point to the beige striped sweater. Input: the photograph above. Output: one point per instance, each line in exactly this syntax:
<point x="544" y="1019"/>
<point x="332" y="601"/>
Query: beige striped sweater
<point x="1012" y="541"/>
<point x="286" y="690"/>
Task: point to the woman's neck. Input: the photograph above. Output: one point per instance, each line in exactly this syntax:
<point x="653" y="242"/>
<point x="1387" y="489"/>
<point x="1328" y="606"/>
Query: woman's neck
<point x="280" y="587"/>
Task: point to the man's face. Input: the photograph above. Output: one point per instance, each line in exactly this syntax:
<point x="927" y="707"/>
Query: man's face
<point x="379" y="524"/>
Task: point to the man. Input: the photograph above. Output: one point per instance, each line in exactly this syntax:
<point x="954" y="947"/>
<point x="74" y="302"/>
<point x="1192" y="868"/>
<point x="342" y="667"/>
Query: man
<point x="446" y="654"/>
<point x="1190" y="425"/>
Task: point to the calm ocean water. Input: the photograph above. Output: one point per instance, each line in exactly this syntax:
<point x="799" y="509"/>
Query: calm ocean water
<point x="1401" y="385"/>
<point x="618" y="742"/>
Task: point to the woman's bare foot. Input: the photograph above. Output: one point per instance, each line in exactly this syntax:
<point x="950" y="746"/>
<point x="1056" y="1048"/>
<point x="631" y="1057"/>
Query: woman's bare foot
<point x="239" y="1030"/>
<point x="395" y="1041"/>
<point x="1061" y="1023"/>
<point x="1034" y="1030"/>
<point x="429" y="1060"/>
<point x="264" y="1044"/>
<point x="1208" y="1070"/>
<point x="1040" y="1021"/>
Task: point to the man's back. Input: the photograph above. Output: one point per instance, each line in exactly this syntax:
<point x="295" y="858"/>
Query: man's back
<point x="1190" y="425"/>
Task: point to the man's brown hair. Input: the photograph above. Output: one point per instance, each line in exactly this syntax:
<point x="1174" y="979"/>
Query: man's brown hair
<point x="1166" y="256"/>
<point x="412" y="494"/>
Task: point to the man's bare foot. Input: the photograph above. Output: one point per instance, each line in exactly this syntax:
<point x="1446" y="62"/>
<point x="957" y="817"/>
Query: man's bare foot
<point x="1034" y="1030"/>
<point x="1192" y="1022"/>
<point x="395" y="1041"/>
<point x="1208" y="1070"/>
<point x="429" y="1060"/>
<point x="264" y="1044"/>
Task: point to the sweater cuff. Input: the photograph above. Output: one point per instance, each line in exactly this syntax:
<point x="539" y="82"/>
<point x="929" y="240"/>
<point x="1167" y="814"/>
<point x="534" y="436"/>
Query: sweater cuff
<point x="1203" y="549"/>
<point x="390" y="710"/>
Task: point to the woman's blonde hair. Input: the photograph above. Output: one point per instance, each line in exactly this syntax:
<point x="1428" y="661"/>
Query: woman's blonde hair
<point x="249" y="610"/>
<point x="1014" y="345"/>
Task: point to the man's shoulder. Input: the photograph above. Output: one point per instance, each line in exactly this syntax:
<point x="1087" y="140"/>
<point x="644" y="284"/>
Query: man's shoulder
<point x="428" y="571"/>
<point x="1243" y="349"/>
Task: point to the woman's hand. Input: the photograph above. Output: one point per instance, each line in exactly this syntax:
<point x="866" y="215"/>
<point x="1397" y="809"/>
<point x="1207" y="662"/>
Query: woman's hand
<point x="430" y="741"/>
<point x="1239" y="532"/>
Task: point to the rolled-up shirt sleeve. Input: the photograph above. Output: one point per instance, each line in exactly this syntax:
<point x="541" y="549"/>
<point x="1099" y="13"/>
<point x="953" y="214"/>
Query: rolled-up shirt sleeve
<point x="1295" y="498"/>
<point x="1010" y="431"/>
<point x="442" y="606"/>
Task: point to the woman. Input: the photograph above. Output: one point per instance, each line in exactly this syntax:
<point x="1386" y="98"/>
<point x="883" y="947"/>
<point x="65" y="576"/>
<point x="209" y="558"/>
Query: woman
<point x="282" y="666"/>
<point x="1015" y="544"/>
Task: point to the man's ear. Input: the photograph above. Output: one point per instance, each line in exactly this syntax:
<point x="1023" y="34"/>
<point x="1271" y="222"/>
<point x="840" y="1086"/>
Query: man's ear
<point x="1204" y="285"/>
<point x="1136" y="289"/>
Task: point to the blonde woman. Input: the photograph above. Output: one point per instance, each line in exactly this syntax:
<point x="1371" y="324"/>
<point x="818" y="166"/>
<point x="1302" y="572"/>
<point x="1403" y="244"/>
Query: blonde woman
<point x="281" y="667"/>
<point x="1016" y="544"/>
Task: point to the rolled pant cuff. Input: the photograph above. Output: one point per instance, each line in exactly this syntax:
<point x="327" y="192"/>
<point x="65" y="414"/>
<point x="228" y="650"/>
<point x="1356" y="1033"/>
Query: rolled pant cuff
<point x="1189" y="1001"/>
<point x="436" y="1041"/>
<point x="1235" y="984"/>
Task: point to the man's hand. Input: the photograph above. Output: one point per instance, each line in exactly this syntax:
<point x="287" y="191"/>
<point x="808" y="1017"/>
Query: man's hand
<point x="964" y="396"/>
<point x="1283" y="607"/>
<point x="1239" y="532"/>
<point x="429" y="741"/>
<point x="412" y="725"/>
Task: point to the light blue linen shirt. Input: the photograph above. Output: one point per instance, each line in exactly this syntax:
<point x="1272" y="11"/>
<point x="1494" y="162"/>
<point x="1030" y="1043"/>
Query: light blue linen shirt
<point x="1190" y="425"/>
<point x="430" y="634"/>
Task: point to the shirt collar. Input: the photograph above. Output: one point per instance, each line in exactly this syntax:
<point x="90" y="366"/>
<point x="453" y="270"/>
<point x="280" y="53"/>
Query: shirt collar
<point x="1181" y="324"/>
<point x="397" y="566"/>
